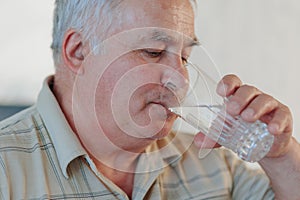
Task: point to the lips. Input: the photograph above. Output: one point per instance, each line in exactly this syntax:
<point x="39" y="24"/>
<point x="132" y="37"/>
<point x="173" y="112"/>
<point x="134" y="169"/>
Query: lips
<point x="163" y="104"/>
<point x="160" y="103"/>
<point x="163" y="97"/>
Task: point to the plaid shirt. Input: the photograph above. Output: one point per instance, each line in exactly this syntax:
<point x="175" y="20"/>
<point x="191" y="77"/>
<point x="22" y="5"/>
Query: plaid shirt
<point x="41" y="158"/>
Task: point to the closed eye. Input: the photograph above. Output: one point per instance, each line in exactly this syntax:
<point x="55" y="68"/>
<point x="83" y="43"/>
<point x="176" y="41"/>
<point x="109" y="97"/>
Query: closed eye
<point x="153" y="53"/>
<point x="156" y="54"/>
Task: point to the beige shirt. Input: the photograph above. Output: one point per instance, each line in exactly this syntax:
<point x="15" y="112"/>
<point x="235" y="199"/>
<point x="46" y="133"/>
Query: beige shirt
<point x="41" y="158"/>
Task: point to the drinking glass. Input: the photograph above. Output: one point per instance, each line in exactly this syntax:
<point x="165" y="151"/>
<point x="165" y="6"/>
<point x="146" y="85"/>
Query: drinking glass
<point x="205" y="110"/>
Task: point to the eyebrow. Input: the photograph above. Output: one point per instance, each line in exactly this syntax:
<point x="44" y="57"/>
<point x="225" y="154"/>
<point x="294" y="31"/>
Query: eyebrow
<point x="164" y="37"/>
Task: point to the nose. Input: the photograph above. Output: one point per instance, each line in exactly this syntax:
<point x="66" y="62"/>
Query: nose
<point x="174" y="77"/>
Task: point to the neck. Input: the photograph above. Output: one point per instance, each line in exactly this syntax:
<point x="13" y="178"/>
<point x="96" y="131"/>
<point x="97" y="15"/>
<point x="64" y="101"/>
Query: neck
<point x="121" y="172"/>
<point x="62" y="88"/>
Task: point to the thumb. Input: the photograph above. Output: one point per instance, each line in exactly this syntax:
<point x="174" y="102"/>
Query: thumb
<point x="202" y="141"/>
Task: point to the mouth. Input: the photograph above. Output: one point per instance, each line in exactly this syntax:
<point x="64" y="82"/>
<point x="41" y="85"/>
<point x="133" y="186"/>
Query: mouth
<point x="164" y="105"/>
<point x="164" y="98"/>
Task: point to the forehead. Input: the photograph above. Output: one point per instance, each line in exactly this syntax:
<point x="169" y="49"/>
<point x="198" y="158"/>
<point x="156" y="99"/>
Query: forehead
<point x="177" y="15"/>
<point x="152" y="37"/>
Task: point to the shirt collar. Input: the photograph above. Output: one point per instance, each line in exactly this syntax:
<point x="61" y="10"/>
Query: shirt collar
<point x="64" y="139"/>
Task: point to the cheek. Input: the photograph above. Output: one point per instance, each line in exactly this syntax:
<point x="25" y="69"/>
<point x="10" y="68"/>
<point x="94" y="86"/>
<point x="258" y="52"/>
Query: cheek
<point x="109" y="79"/>
<point x="123" y="87"/>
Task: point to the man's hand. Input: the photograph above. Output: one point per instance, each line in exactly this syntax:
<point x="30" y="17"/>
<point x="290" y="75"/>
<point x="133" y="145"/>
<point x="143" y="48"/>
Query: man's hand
<point x="252" y="104"/>
<point x="282" y="163"/>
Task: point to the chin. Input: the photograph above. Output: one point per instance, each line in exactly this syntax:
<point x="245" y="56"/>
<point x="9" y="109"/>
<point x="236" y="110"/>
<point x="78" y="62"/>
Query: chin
<point x="164" y="132"/>
<point x="159" y="128"/>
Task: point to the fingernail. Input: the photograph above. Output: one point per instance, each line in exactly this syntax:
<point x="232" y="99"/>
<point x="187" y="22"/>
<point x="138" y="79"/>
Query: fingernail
<point x="273" y="128"/>
<point x="233" y="106"/>
<point x="222" y="89"/>
<point x="248" y="113"/>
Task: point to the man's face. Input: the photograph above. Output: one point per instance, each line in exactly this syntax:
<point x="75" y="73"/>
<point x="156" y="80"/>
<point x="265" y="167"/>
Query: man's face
<point x="136" y="87"/>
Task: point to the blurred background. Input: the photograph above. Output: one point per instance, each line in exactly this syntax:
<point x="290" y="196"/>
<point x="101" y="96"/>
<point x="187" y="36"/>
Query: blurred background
<point x="25" y="53"/>
<point x="257" y="40"/>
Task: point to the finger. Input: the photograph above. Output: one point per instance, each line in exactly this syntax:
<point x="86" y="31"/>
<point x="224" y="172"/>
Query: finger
<point x="241" y="99"/>
<point x="281" y="122"/>
<point x="281" y="127"/>
<point x="228" y="85"/>
<point x="260" y="106"/>
<point x="202" y="141"/>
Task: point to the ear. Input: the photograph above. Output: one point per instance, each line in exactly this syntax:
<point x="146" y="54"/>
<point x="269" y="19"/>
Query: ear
<point x="73" y="50"/>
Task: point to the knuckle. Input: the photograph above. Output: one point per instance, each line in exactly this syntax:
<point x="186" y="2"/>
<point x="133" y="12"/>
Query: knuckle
<point x="250" y="88"/>
<point x="284" y="116"/>
<point x="232" y="79"/>
<point x="231" y="76"/>
<point x="286" y="110"/>
<point x="269" y="100"/>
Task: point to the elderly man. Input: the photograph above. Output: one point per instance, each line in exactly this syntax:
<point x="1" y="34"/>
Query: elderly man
<point x="101" y="128"/>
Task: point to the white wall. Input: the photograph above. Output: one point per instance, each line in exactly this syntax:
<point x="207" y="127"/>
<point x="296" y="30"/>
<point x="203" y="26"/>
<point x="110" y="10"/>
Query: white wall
<point x="258" y="40"/>
<point x="24" y="49"/>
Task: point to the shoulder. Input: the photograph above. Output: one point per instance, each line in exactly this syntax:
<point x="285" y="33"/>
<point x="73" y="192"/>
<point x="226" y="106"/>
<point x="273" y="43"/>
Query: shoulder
<point x="24" y="147"/>
<point x="20" y="121"/>
<point x="16" y="119"/>
<point x="22" y="130"/>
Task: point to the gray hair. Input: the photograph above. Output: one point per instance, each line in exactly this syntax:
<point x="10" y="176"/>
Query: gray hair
<point x="76" y="14"/>
<point x="82" y="15"/>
